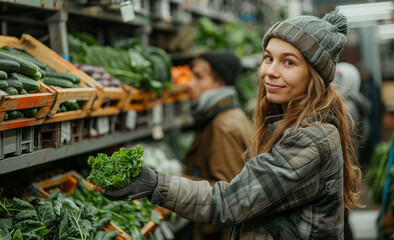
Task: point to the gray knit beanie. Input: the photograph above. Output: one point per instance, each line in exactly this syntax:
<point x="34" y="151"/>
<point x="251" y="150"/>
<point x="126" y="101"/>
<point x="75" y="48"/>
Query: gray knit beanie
<point x="319" y="40"/>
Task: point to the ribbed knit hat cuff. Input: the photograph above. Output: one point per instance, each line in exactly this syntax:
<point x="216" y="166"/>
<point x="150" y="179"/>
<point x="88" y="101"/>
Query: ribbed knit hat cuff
<point x="310" y="48"/>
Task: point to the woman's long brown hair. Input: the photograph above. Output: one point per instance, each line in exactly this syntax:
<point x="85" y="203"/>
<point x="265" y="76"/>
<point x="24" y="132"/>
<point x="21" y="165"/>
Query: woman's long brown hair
<point x="318" y="102"/>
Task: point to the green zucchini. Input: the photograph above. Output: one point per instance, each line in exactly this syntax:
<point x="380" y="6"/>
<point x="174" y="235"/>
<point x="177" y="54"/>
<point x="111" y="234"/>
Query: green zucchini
<point x="75" y="85"/>
<point x="69" y="77"/>
<point x="63" y="108"/>
<point x="30" y="112"/>
<point x="3" y="84"/>
<point x="5" y="116"/>
<point x="11" y="91"/>
<point x="24" y="55"/>
<point x="23" y="92"/>
<point x="28" y="83"/>
<point x="43" y="72"/>
<point x="15" y="114"/>
<point x="9" y="66"/>
<point x="3" y="75"/>
<point x="26" y="67"/>
<point x="71" y="105"/>
<point x="57" y="82"/>
<point x="15" y="83"/>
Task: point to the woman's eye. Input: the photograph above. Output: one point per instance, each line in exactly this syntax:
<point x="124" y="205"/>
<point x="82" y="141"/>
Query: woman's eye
<point x="289" y="63"/>
<point x="268" y="59"/>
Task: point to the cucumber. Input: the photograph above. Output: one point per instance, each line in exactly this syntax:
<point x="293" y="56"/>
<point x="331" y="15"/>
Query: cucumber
<point x="72" y="78"/>
<point x="26" y="67"/>
<point x="15" y="83"/>
<point x="3" y="84"/>
<point x="63" y="108"/>
<point x="75" y="85"/>
<point x="24" y="55"/>
<point x="43" y="72"/>
<point x="28" y="83"/>
<point x="9" y="66"/>
<point x="11" y="91"/>
<point x="57" y="82"/>
<point x="71" y="105"/>
<point x="5" y="116"/>
<point x="15" y="114"/>
<point x="23" y="92"/>
<point x="36" y="76"/>
<point x="30" y="112"/>
<point x="3" y="75"/>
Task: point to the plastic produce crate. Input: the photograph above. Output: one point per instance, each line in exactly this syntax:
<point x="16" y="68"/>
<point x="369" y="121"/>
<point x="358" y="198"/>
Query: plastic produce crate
<point x="86" y="91"/>
<point x="42" y="100"/>
<point x="16" y="141"/>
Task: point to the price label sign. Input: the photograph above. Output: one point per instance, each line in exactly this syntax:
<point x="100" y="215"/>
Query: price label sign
<point x="157" y="114"/>
<point x="127" y="11"/>
<point x="102" y="125"/>
<point x="131" y="119"/>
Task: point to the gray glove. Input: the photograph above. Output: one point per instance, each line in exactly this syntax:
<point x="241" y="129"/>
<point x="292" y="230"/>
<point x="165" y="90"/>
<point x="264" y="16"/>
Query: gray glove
<point x="143" y="186"/>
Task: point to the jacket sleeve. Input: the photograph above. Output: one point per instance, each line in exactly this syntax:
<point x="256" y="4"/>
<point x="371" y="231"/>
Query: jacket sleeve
<point x="269" y="183"/>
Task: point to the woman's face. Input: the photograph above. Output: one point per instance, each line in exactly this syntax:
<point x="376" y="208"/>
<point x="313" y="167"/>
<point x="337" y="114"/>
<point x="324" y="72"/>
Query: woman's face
<point x="284" y="72"/>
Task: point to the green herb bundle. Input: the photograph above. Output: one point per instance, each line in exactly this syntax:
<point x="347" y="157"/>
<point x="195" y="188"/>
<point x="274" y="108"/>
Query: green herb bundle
<point x="118" y="170"/>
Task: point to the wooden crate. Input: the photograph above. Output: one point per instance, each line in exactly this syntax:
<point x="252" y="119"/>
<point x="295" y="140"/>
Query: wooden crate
<point x="162" y="213"/>
<point x="139" y="100"/>
<point x="42" y="100"/>
<point x="116" y="95"/>
<point x="87" y="91"/>
<point x="178" y="92"/>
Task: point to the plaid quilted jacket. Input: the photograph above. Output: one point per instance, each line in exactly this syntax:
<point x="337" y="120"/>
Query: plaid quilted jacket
<point x="294" y="192"/>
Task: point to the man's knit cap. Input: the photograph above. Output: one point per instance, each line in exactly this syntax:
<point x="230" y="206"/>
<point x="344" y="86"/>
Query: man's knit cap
<point x="319" y="40"/>
<point x="225" y="63"/>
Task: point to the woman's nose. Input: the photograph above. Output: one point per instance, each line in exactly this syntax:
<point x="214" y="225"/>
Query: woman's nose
<point x="272" y="70"/>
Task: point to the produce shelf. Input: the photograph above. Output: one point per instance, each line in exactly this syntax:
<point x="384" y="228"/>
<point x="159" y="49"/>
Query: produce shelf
<point x="38" y="157"/>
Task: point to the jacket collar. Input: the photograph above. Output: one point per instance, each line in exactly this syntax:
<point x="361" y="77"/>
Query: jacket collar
<point x="273" y="121"/>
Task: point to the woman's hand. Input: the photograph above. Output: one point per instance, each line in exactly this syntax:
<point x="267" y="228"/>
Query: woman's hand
<point x="142" y="186"/>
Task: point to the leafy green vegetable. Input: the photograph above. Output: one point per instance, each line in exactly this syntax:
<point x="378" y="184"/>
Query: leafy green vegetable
<point x="118" y="170"/>
<point x="129" y="216"/>
<point x="58" y="217"/>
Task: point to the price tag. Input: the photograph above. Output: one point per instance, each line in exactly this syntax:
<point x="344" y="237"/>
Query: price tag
<point x="157" y="132"/>
<point x="157" y="114"/>
<point x="102" y="124"/>
<point x="137" y="4"/>
<point x="131" y="119"/>
<point x="127" y="11"/>
<point x="65" y="131"/>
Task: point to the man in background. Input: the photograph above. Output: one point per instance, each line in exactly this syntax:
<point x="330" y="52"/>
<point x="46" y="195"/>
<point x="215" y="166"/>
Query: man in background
<point x="223" y="132"/>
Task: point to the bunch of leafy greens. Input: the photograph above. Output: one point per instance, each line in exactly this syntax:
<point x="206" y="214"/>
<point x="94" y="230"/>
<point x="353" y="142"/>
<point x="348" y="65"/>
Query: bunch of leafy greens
<point x="129" y="216"/>
<point x="57" y="217"/>
<point x="118" y="170"/>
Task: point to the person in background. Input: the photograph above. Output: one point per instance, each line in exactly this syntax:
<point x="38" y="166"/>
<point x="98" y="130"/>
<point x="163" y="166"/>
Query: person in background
<point x="348" y="79"/>
<point x="303" y="171"/>
<point x="223" y="132"/>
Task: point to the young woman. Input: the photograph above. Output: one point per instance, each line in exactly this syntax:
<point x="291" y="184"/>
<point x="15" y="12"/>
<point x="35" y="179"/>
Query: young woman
<point x="304" y="172"/>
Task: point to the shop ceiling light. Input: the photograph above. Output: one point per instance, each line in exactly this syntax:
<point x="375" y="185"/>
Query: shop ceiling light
<point x="367" y="12"/>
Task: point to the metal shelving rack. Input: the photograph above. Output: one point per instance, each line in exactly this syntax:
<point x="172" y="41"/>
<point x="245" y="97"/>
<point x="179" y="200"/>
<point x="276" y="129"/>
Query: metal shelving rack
<point x="55" y="14"/>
